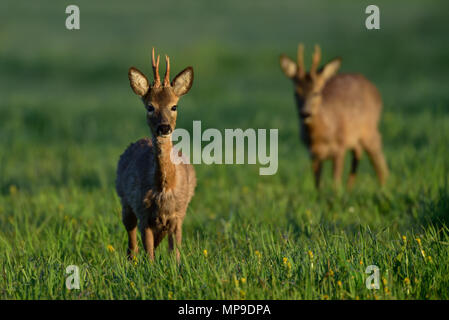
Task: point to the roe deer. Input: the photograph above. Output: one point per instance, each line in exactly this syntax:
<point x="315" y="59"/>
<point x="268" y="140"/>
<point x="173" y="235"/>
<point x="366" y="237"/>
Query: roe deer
<point x="154" y="190"/>
<point x="337" y="112"/>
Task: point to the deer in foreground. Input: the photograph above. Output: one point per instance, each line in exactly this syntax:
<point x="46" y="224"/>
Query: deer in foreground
<point x="338" y="112"/>
<point x="154" y="191"/>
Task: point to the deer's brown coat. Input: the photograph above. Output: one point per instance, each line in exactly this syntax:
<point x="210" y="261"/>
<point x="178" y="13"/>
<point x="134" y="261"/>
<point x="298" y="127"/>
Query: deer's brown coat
<point x="154" y="191"/>
<point x="338" y="112"/>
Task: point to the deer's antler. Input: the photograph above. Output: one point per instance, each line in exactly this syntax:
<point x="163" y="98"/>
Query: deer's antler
<point x="157" y="79"/>
<point x="301" y="69"/>
<point x="167" y="72"/>
<point x="315" y="61"/>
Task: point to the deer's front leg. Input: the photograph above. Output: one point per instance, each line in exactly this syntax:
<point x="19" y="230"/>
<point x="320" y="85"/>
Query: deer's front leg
<point x="148" y="241"/>
<point x="356" y="155"/>
<point x="339" y="159"/>
<point x="170" y="243"/>
<point x="316" y="167"/>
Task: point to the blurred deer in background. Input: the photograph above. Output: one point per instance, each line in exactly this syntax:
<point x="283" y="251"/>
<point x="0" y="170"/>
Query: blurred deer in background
<point x="154" y="190"/>
<point x="337" y="113"/>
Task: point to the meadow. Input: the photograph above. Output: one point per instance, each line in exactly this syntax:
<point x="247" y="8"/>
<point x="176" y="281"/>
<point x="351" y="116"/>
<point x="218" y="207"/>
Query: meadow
<point x="67" y="113"/>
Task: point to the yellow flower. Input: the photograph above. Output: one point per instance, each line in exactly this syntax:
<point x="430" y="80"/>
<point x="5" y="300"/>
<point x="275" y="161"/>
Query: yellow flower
<point x="309" y="214"/>
<point x="361" y="262"/>
<point x="258" y="254"/>
<point x="310" y="253"/>
<point x="339" y="283"/>
<point x="243" y="280"/>
<point x="421" y="249"/>
<point x="331" y="273"/>
<point x="407" y="281"/>
<point x="429" y="258"/>
<point x="135" y="260"/>
<point x="404" y="238"/>
<point x="132" y="284"/>
<point x="384" y="281"/>
<point x="285" y="260"/>
<point x="110" y="248"/>
<point x="12" y="189"/>
<point x="325" y="297"/>
<point x="170" y="295"/>
<point x="205" y="253"/>
<point x="423" y="254"/>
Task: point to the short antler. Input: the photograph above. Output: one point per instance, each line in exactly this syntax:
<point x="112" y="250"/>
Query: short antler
<point x="167" y="72"/>
<point x="315" y="61"/>
<point x="301" y="69"/>
<point x="157" y="79"/>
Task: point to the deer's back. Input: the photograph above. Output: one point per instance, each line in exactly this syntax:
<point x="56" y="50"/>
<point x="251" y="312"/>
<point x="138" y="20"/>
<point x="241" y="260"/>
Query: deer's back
<point x="349" y="115"/>
<point x="353" y="99"/>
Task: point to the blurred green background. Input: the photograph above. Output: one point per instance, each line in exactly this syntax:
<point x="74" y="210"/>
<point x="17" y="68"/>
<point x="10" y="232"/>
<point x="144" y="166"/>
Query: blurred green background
<point x="67" y="112"/>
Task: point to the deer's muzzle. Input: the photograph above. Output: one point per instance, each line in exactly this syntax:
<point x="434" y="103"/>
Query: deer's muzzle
<point x="305" y="114"/>
<point x="163" y="130"/>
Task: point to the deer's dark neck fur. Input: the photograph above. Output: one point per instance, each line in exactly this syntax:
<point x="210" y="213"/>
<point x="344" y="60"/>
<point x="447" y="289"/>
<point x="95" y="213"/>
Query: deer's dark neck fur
<point x="165" y="173"/>
<point x="314" y="127"/>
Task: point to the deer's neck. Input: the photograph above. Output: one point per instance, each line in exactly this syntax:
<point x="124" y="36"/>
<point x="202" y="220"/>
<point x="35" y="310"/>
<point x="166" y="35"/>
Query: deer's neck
<point x="165" y="174"/>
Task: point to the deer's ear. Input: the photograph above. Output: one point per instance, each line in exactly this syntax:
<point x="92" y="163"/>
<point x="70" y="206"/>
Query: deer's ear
<point x="330" y="69"/>
<point x="288" y="66"/>
<point x="139" y="83"/>
<point x="182" y="83"/>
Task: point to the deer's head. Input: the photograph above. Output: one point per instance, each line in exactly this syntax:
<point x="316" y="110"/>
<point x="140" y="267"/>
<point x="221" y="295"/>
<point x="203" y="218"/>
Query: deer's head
<point x="161" y="100"/>
<point x="309" y="85"/>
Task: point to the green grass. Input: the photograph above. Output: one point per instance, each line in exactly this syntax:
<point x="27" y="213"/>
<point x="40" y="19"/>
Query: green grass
<point x="67" y="113"/>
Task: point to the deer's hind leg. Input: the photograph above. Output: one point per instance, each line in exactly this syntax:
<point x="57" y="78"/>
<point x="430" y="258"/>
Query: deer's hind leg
<point x="177" y="235"/>
<point x="374" y="149"/>
<point x="130" y="222"/>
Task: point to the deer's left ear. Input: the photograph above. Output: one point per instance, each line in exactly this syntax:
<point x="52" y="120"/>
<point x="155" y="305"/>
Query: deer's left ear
<point x="138" y="81"/>
<point x="330" y="69"/>
<point x="182" y="83"/>
<point x="288" y="66"/>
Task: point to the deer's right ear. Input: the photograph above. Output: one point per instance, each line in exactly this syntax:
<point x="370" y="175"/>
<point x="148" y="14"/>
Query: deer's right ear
<point x="331" y="69"/>
<point x="139" y="83"/>
<point x="289" y="67"/>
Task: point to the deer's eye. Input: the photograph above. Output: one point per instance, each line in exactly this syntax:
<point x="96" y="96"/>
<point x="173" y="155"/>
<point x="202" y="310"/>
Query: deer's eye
<point x="174" y="108"/>
<point x="150" y="108"/>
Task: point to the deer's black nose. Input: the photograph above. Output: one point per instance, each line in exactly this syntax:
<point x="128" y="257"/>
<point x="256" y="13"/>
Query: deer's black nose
<point x="163" y="129"/>
<point x="304" y="114"/>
